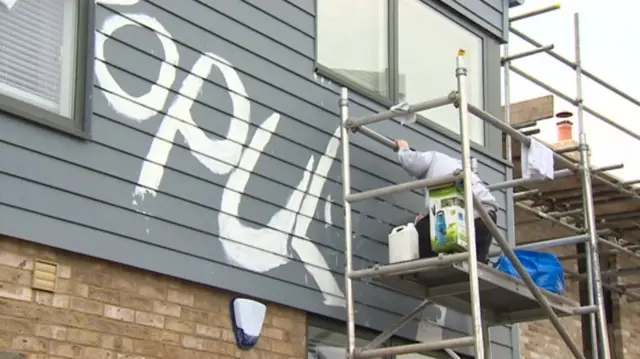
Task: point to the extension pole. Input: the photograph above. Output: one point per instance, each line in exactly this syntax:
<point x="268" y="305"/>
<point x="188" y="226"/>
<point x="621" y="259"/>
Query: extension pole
<point x="593" y="259"/>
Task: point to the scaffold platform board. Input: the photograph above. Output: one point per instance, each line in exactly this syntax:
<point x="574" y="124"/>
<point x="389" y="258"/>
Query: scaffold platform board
<point x="504" y="299"/>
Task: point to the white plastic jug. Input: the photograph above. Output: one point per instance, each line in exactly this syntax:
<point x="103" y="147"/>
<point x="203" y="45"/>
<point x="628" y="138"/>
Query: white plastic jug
<point x="404" y="243"/>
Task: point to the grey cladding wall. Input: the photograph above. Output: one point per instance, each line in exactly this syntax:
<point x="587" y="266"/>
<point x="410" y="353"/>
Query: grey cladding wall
<point x="213" y="158"/>
<point x="489" y="14"/>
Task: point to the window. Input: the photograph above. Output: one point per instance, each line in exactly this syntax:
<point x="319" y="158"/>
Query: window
<point x="395" y="50"/>
<point x="43" y="60"/>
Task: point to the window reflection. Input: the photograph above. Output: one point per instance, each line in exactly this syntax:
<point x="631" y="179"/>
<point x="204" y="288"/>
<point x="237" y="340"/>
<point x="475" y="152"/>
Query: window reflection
<point x="427" y="46"/>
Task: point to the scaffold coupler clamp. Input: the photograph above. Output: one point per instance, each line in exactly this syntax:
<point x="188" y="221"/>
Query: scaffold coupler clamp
<point x="455" y="98"/>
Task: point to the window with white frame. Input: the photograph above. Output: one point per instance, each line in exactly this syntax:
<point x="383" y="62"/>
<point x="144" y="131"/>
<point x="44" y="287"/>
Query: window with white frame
<point x="42" y="50"/>
<point x="399" y="50"/>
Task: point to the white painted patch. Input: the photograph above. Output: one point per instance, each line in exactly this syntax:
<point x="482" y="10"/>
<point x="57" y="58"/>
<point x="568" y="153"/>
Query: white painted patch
<point x="257" y="249"/>
<point x="431" y="330"/>
<point x="9" y="4"/>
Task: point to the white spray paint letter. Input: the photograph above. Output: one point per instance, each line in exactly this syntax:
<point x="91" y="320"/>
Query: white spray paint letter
<point x="257" y="249"/>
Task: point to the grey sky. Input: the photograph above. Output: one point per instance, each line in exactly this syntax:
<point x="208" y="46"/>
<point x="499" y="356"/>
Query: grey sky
<point x="609" y="32"/>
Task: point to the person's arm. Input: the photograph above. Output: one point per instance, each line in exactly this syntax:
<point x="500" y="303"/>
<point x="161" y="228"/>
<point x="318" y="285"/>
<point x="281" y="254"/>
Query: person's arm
<point x="413" y="162"/>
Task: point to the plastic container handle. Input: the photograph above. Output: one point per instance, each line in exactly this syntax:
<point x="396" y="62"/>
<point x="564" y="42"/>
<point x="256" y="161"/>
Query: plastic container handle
<point x="398" y="229"/>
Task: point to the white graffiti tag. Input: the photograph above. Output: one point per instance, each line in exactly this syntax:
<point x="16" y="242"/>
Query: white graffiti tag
<point x="257" y="249"/>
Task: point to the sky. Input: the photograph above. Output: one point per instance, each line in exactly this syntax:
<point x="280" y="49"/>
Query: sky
<point x="609" y="32"/>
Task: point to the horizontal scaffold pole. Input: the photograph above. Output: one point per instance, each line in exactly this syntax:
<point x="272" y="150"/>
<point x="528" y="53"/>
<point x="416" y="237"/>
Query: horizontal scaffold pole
<point x="409" y="267"/>
<point x="527" y="141"/>
<point x="384" y="140"/>
<point x="574" y="228"/>
<point x="415" y="348"/>
<point x="572" y="65"/>
<point x="565" y="97"/>
<point x="422" y="106"/>
<point x="403" y="187"/>
<point x="533" y="13"/>
<point x="523" y="54"/>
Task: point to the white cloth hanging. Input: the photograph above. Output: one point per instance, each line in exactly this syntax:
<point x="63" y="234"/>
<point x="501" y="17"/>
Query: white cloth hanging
<point x="537" y="161"/>
<point x="403" y="107"/>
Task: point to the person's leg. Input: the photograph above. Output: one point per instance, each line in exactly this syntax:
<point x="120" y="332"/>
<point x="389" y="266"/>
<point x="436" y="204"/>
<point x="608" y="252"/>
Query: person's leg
<point x="424" y="237"/>
<point x="483" y="238"/>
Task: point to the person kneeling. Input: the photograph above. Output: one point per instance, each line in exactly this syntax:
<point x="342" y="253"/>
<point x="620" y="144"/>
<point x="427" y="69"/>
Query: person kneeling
<point x="432" y="164"/>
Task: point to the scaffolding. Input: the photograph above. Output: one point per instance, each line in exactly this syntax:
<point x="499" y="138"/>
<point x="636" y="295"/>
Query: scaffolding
<point x="459" y="281"/>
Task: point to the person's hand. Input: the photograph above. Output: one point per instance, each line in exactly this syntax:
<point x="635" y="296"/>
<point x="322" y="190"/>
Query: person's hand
<point x="400" y="144"/>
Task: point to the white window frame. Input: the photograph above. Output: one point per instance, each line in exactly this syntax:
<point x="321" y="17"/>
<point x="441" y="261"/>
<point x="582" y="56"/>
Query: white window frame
<point x="393" y="63"/>
<point x="70" y="115"/>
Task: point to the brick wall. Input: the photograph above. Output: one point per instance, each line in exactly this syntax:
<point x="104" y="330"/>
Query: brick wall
<point x="102" y="310"/>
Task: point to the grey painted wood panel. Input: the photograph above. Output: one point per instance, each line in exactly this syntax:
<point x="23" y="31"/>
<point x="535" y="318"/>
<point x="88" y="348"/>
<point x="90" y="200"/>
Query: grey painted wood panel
<point x="179" y="222"/>
<point x="487" y="14"/>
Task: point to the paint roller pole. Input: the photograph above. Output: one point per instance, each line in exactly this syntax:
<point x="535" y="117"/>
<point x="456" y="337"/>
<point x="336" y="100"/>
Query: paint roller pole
<point x="593" y="259"/>
<point x="346" y="189"/>
<point x="474" y="286"/>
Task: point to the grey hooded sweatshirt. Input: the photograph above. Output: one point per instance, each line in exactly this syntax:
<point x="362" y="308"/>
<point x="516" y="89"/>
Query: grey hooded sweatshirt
<point x="432" y="164"/>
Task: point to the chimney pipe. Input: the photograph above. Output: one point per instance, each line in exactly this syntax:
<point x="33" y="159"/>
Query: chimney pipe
<point x="564" y="126"/>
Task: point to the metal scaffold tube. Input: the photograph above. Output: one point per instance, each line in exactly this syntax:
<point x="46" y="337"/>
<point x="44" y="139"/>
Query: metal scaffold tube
<point x="572" y="65"/>
<point x="564" y="224"/>
<point x="348" y="232"/>
<point x="426" y="105"/>
<point x="527" y="141"/>
<point x="402" y="187"/>
<point x="593" y="261"/>
<point x="474" y="285"/>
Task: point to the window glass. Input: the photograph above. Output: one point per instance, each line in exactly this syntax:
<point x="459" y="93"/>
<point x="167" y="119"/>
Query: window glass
<point x="327" y="344"/>
<point x="352" y="41"/>
<point x="37" y="53"/>
<point x="428" y="43"/>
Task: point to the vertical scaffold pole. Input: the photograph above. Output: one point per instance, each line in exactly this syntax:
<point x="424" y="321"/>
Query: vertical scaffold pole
<point x="346" y="190"/>
<point x="593" y="259"/>
<point x="476" y="319"/>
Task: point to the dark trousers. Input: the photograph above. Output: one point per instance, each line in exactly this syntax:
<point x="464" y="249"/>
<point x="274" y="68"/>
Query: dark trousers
<point x="483" y="238"/>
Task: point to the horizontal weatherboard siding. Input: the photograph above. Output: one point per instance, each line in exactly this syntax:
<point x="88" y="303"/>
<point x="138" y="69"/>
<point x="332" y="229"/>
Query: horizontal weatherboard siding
<point x="488" y="14"/>
<point x="83" y="195"/>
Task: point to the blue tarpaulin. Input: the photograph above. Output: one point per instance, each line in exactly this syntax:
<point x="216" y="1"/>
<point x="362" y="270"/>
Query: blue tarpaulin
<point x="544" y="268"/>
